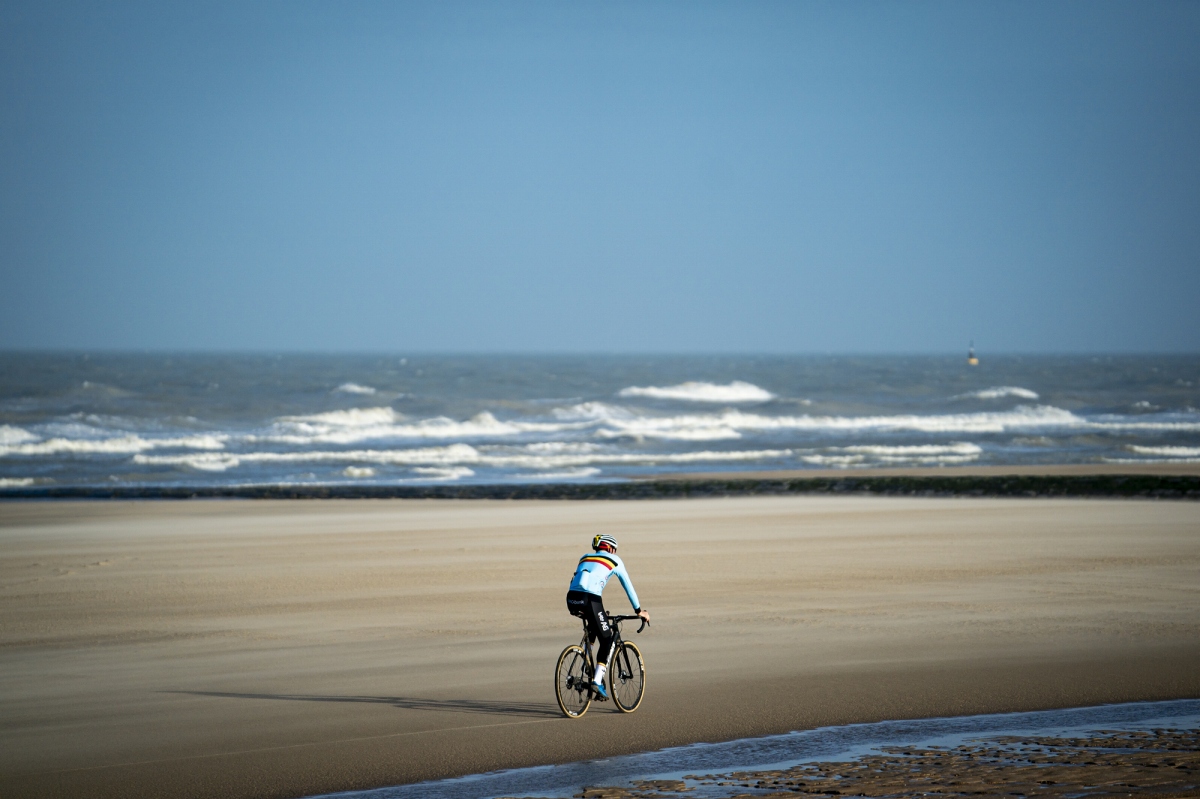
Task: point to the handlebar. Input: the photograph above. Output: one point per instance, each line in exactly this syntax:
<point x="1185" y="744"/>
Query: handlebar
<point x="645" y="622"/>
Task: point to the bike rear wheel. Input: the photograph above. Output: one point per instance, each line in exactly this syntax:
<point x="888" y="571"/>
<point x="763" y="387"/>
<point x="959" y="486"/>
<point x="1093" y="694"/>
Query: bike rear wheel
<point x="572" y="681"/>
<point x="627" y="678"/>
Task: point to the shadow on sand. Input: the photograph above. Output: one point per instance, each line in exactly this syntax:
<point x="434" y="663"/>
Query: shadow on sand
<point x="534" y="709"/>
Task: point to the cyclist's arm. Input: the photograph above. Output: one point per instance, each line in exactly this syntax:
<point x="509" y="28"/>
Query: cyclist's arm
<point x="627" y="584"/>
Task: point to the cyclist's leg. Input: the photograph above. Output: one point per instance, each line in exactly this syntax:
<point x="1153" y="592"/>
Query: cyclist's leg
<point x="579" y="603"/>
<point x="604" y="633"/>
<point x="591" y="608"/>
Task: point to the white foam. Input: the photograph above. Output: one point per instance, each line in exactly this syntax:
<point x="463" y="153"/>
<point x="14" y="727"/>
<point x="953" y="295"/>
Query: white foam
<point x="560" y="447"/>
<point x="358" y="471"/>
<point x="566" y="474"/>
<point x="354" y="388"/>
<point x="616" y="422"/>
<point x="10" y="435"/>
<point x="1163" y="423"/>
<point x="452" y="455"/>
<point x="836" y="461"/>
<point x="455" y="453"/>
<point x="16" y="482"/>
<point x="366" y="424"/>
<point x="842" y="457"/>
<point x="208" y="462"/>
<point x="999" y="392"/>
<point x="1167" y="452"/>
<point x="695" y="391"/>
<point x="354" y="417"/>
<point x="593" y="412"/>
<point x="844" y="461"/>
<point x="956" y="448"/>
<point x="122" y="445"/>
<point x="444" y="472"/>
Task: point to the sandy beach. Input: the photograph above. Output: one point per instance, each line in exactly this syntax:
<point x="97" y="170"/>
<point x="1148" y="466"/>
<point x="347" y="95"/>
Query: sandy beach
<point x="260" y="648"/>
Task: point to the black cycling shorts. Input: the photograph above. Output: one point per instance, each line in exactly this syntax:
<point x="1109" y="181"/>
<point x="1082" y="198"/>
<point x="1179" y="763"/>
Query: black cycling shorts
<point x="590" y="608"/>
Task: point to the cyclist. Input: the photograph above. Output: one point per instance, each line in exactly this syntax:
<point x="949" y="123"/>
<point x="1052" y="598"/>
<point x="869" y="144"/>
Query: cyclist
<point x="584" y="599"/>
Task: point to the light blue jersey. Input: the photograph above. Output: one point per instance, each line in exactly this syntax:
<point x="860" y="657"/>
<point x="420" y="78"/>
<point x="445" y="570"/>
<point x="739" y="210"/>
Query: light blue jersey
<point x="593" y="572"/>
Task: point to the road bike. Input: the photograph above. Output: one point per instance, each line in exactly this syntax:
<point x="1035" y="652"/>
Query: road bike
<point x="626" y="673"/>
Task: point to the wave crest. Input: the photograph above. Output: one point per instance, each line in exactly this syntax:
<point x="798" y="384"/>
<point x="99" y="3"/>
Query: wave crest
<point x="354" y="417"/>
<point x="695" y="391"/>
<point x="998" y="392"/>
<point x="453" y="455"/>
<point x="123" y="445"/>
<point x="876" y="455"/>
<point x="353" y="388"/>
<point x="10" y="435"/>
<point x="1166" y="452"/>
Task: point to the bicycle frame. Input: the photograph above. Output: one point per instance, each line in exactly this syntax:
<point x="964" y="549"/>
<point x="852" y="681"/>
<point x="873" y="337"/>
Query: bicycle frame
<point x="576" y="668"/>
<point x="586" y="645"/>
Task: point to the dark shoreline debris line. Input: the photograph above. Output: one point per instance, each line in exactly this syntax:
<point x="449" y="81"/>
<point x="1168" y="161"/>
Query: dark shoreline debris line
<point x="1185" y="487"/>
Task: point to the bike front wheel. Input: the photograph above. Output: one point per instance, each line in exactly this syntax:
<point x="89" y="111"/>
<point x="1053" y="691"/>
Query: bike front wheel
<point x="627" y="678"/>
<point x="572" y="682"/>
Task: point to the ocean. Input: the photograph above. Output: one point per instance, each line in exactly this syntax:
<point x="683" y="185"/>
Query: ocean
<point x="212" y="419"/>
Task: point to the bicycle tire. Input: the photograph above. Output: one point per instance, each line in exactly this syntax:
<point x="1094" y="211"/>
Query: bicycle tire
<point x="572" y="682"/>
<point x="627" y="678"/>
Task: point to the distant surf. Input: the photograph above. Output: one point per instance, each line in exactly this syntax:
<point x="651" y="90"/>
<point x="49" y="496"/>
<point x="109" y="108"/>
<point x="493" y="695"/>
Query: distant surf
<point x="696" y="391"/>
<point x="218" y="420"/>
<point x="354" y="388"/>
<point x="1000" y="392"/>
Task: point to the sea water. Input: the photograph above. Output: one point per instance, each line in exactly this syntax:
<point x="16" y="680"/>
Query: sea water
<point x="204" y="420"/>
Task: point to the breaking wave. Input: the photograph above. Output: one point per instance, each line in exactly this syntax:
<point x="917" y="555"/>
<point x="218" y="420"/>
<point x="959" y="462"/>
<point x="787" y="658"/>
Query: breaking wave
<point x="354" y="417"/>
<point x="1166" y="452"/>
<point x="10" y="435"/>
<point x="923" y="454"/>
<point x="693" y="391"/>
<point x="353" y="388"/>
<point x="576" y="429"/>
<point x="452" y="455"/>
<point x="567" y="474"/>
<point x="616" y="422"/>
<point x="999" y="392"/>
<point x="365" y="424"/>
<point x="122" y="445"/>
<point x="444" y="472"/>
<point x="919" y="450"/>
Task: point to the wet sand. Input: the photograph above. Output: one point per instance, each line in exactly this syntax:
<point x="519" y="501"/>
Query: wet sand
<point x="1158" y="763"/>
<point x="281" y="649"/>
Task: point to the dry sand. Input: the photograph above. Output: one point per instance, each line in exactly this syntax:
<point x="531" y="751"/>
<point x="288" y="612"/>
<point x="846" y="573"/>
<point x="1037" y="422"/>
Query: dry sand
<point x="288" y="648"/>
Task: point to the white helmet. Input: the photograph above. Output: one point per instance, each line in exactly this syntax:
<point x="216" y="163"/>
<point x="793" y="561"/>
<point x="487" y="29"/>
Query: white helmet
<point x="604" y="539"/>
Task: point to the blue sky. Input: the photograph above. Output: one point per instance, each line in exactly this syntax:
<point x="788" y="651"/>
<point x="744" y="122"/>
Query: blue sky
<point x="575" y="177"/>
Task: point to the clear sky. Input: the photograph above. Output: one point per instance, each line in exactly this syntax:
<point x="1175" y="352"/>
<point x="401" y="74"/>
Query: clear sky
<point x="582" y="177"/>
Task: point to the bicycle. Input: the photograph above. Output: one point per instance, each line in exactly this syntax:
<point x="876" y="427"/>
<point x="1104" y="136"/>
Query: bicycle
<point x="626" y="673"/>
